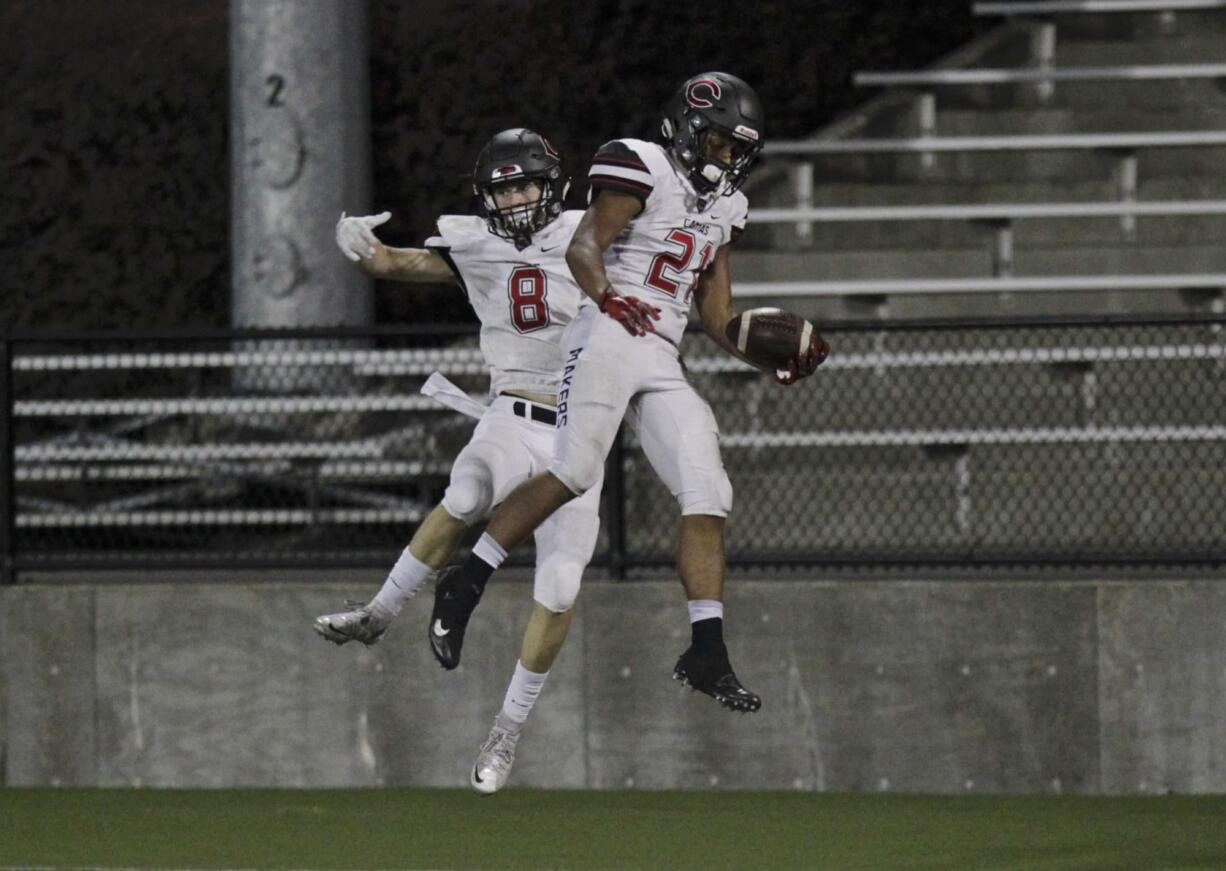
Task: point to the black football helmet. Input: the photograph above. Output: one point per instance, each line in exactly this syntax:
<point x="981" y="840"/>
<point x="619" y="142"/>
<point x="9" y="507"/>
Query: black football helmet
<point x="517" y="155"/>
<point x="722" y="104"/>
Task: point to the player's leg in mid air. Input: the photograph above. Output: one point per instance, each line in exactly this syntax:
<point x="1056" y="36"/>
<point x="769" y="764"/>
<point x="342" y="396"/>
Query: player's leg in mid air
<point x="429" y="549"/>
<point x="597" y="383"/>
<point x="489" y="458"/>
<point x="460" y="587"/>
<point x="680" y="438"/>
<point x="564" y="546"/>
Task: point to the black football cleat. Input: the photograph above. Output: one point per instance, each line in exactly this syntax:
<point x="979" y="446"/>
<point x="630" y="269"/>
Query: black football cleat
<point x="449" y="618"/>
<point x="710" y="672"/>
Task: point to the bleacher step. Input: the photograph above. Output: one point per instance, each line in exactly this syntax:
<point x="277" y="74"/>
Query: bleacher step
<point x="1040" y="121"/>
<point x="1028" y="235"/>
<point x="1187" y="97"/>
<point x="921" y="192"/>
<point x="1014" y="166"/>
<point x="896" y="263"/>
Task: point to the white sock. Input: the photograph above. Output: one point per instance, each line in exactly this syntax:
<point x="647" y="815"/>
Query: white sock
<point x="489" y="551"/>
<point x="403" y="582"/>
<point x="705" y="609"/>
<point x="522" y="694"/>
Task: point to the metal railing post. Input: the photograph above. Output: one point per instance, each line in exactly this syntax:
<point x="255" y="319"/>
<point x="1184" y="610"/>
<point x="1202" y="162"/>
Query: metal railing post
<point x="1126" y="189"/>
<point x="1043" y="54"/>
<point x="802" y="189"/>
<point x="1002" y="252"/>
<point x="8" y="470"/>
<point x="926" y="109"/>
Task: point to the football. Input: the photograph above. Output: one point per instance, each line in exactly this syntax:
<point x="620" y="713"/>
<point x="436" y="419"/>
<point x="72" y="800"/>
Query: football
<point x="769" y="337"/>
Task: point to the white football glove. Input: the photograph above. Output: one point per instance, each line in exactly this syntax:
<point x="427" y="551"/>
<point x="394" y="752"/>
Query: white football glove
<point x="356" y="237"/>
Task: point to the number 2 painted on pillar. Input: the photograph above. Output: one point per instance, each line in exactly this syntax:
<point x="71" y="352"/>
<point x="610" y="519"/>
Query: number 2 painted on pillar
<point x="276" y="85"/>
<point x="527" y="289"/>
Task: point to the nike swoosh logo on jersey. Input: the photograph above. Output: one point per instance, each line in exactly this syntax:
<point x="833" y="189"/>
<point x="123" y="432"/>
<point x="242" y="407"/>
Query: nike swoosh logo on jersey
<point x="439" y="630"/>
<point x="550" y="248"/>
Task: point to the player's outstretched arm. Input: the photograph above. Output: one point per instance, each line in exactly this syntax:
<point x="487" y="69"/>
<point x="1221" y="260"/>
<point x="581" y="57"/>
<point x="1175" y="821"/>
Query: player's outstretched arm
<point x="356" y="238"/>
<point x="603" y="222"/>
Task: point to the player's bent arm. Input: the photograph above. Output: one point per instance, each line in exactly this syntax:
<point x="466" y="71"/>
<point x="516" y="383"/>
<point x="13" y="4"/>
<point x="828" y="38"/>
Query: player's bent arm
<point x="713" y="295"/>
<point x="604" y="220"/>
<point x="419" y="265"/>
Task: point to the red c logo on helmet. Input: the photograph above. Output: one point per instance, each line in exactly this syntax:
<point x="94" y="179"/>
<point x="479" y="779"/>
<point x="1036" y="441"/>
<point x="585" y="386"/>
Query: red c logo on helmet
<point x="692" y="97"/>
<point x="549" y="149"/>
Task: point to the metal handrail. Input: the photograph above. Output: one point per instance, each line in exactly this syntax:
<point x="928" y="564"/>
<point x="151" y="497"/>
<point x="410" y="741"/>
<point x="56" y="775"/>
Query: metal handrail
<point x="1052" y="142"/>
<point x="985" y="76"/>
<point x="1012" y="284"/>
<point x="989" y="212"/>
<point x="1057" y="7"/>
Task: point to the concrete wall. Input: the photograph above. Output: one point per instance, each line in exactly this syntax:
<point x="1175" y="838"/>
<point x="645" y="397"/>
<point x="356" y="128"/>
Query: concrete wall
<point x="903" y="686"/>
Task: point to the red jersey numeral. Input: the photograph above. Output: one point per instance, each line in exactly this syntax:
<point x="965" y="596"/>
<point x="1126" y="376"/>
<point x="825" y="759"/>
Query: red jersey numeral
<point x="527" y="289"/>
<point x="677" y="263"/>
<point x="708" y="254"/>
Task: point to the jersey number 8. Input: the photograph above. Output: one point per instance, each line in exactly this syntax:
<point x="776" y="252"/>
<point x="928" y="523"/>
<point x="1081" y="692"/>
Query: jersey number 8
<point x="527" y="289"/>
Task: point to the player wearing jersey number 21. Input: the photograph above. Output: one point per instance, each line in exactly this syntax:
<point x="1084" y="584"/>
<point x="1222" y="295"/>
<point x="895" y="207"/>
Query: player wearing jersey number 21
<point x="673" y="210"/>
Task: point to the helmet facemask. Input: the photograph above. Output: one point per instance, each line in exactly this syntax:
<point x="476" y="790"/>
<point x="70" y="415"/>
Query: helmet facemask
<point x="516" y="223"/>
<point x="519" y="157"/>
<point x="722" y="160"/>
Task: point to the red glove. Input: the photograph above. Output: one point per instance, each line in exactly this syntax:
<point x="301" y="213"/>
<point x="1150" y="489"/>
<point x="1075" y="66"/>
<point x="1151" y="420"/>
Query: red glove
<point x="805" y="363"/>
<point x="629" y="311"/>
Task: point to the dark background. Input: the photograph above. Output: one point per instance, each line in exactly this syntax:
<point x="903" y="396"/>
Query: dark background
<point x="115" y="129"/>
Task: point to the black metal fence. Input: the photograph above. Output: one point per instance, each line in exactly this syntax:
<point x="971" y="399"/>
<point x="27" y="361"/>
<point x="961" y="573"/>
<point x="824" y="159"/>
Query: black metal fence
<point x="1058" y="443"/>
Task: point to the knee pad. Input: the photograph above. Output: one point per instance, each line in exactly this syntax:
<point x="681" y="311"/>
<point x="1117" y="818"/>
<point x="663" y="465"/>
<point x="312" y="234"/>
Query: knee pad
<point x="564" y="545"/>
<point x="470" y="494"/>
<point x="713" y="496"/>
<point x="557" y="583"/>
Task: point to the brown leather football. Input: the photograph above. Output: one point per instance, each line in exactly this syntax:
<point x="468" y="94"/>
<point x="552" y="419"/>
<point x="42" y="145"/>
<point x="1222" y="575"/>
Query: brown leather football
<point x="769" y="336"/>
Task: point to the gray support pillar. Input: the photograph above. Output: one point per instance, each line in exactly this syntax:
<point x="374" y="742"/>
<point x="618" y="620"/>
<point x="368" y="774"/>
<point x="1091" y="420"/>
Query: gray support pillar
<point x="299" y="154"/>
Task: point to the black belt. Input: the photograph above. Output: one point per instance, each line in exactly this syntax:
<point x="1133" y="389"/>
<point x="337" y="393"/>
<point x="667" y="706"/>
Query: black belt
<point x="535" y="413"/>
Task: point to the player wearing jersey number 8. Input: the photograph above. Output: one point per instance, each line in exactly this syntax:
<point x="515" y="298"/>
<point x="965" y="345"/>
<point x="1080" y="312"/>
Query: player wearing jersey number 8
<point x="510" y="264"/>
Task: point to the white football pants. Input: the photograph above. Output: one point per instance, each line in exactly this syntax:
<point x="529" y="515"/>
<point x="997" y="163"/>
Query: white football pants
<point x="609" y="372"/>
<point x="505" y="450"/>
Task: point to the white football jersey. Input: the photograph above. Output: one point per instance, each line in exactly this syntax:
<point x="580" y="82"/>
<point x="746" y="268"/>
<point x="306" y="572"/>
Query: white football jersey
<point x="524" y="299"/>
<point x="673" y="239"/>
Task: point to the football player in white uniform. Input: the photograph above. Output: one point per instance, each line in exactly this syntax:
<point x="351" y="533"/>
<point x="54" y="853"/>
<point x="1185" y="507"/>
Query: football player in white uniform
<point x="656" y="234"/>
<point x="511" y="265"/>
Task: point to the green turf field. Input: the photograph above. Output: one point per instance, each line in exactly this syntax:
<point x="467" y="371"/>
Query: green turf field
<point x="537" y="829"/>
